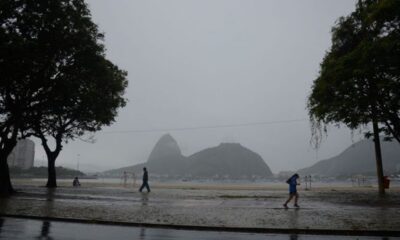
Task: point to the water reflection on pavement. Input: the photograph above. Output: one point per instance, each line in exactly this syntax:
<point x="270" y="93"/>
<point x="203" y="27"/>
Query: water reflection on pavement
<point x="339" y="210"/>
<point x="14" y="228"/>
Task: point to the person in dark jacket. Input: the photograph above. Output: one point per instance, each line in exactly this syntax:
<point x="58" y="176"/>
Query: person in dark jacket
<point x="145" y="182"/>
<point x="76" y="182"/>
<point x="292" y="181"/>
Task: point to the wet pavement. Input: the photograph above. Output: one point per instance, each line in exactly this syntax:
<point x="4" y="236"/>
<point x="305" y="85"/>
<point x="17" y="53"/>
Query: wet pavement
<point x="321" y="209"/>
<point x="25" y="229"/>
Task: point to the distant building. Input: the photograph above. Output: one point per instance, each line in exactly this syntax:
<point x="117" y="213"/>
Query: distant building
<point x="22" y="155"/>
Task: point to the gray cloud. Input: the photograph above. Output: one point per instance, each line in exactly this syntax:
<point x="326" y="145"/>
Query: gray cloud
<point x="214" y="62"/>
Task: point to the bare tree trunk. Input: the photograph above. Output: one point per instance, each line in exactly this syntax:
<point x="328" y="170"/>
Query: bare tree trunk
<point x="378" y="156"/>
<point x="7" y="145"/>
<point x="51" y="169"/>
<point x="51" y="160"/>
<point x="6" y="188"/>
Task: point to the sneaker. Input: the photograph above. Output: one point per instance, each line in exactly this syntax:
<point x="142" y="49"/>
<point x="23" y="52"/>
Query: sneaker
<point x="285" y="206"/>
<point x="297" y="206"/>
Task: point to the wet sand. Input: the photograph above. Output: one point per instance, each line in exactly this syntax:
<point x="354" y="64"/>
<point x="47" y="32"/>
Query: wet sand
<point x="257" y="206"/>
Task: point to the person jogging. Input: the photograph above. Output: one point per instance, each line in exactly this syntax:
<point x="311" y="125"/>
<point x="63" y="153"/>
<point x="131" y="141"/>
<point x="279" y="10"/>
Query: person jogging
<point x="292" y="181"/>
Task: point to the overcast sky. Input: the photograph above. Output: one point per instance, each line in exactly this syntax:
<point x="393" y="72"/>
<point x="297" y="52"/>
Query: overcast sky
<point x="214" y="63"/>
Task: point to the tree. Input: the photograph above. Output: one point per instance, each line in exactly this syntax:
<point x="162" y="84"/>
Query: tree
<point x="53" y="53"/>
<point x="85" y="89"/>
<point x="8" y="139"/>
<point x="20" y="91"/>
<point x="16" y="102"/>
<point x="88" y="100"/>
<point x="359" y="79"/>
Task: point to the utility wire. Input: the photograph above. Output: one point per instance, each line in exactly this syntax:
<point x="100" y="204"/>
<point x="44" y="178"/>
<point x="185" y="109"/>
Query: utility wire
<point x="205" y="127"/>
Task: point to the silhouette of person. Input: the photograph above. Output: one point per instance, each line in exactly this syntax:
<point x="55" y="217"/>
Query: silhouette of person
<point x="145" y="182"/>
<point x="76" y="182"/>
<point x="292" y="181"/>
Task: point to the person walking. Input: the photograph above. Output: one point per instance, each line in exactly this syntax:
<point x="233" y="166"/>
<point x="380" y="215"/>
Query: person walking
<point x="145" y="182"/>
<point x="292" y="181"/>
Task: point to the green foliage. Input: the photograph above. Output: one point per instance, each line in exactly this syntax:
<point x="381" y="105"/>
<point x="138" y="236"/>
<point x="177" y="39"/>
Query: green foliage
<point x="53" y="51"/>
<point x="360" y="75"/>
<point x="55" y="81"/>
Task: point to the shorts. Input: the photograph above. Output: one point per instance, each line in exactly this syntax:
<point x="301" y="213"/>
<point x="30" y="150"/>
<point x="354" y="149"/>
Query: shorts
<point x="293" y="193"/>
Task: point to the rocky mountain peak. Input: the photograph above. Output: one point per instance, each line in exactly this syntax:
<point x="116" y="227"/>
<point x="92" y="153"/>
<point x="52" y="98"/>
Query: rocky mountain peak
<point x="165" y="148"/>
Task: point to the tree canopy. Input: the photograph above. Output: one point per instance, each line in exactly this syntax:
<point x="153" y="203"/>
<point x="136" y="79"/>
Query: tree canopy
<point x="56" y="81"/>
<point x="359" y="80"/>
<point x="360" y="74"/>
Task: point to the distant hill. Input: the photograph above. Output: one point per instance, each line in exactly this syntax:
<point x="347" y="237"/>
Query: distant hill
<point x="230" y="160"/>
<point x="164" y="159"/>
<point x="357" y="159"/>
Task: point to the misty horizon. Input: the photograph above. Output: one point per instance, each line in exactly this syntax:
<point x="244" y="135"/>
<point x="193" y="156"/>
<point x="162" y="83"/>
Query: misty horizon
<point x="207" y="80"/>
<point x="93" y="168"/>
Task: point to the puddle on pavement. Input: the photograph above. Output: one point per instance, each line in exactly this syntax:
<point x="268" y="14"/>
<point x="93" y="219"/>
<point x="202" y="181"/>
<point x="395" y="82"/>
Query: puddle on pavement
<point x="18" y="229"/>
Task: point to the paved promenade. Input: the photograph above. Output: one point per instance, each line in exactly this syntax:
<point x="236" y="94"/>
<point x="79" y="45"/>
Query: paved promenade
<point x="344" y="209"/>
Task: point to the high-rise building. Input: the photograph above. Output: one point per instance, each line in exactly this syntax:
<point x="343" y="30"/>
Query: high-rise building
<point x="22" y="155"/>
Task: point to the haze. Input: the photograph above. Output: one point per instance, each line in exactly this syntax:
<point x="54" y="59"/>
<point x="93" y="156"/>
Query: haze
<point x="207" y="63"/>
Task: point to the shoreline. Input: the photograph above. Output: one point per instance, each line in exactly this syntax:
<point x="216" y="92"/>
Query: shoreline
<point x="193" y="185"/>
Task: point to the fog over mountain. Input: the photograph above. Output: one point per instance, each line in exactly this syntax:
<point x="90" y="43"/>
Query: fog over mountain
<point x="207" y="71"/>
<point x="359" y="158"/>
<point x="166" y="157"/>
<point x="230" y="160"/>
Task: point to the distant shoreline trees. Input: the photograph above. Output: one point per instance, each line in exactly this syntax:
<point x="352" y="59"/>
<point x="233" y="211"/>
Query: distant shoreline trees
<point x="55" y="81"/>
<point x="359" y="80"/>
<point x="42" y="172"/>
